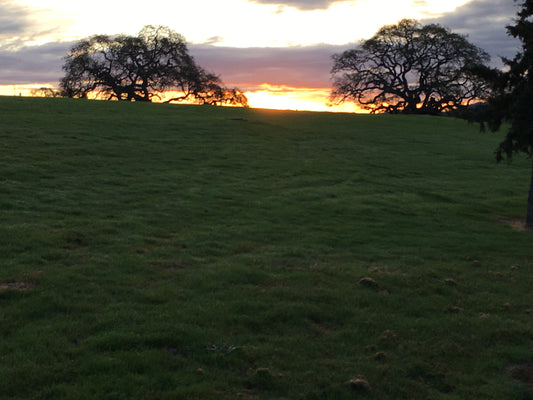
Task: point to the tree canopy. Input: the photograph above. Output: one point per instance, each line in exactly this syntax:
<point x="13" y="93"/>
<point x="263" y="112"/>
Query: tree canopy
<point x="140" y="68"/>
<point x="512" y="94"/>
<point x="410" y="68"/>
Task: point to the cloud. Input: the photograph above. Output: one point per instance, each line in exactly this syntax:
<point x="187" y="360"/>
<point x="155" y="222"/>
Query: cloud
<point x="305" y="66"/>
<point x="13" y="19"/>
<point x="20" y="64"/>
<point x="247" y="68"/>
<point x="21" y="26"/>
<point x="484" y="22"/>
<point x="41" y="64"/>
<point x="306" y="5"/>
<point x="213" y="40"/>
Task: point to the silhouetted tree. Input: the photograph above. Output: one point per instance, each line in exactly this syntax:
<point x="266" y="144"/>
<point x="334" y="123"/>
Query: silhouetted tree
<point x="409" y="68"/>
<point x="139" y="68"/>
<point x="206" y="88"/>
<point x="512" y="97"/>
<point x="46" y="92"/>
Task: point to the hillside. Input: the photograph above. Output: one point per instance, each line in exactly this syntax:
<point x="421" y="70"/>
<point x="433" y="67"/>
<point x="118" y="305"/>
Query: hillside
<point x="153" y="251"/>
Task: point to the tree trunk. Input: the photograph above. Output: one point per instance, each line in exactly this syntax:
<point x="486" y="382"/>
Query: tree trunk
<point x="529" y="216"/>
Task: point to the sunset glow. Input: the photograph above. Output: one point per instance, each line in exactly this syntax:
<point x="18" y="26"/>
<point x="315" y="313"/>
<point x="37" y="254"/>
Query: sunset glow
<point x="22" y="90"/>
<point x="268" y="96"/>
<point x="278" y="53"/>
<point x="298" y="99"/>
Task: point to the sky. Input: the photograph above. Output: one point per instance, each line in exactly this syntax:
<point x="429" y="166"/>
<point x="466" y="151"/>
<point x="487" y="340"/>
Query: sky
<point x="277" y="52"/>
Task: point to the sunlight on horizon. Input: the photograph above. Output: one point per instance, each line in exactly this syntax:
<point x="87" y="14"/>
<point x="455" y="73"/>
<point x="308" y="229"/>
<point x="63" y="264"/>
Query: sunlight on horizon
<point x="268" y="96"/>
<point x="22" y="89"/>
<point x="297" y="99"/>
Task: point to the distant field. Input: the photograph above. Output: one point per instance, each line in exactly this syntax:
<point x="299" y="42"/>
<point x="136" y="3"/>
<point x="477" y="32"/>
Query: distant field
<point x="161" y="252"/>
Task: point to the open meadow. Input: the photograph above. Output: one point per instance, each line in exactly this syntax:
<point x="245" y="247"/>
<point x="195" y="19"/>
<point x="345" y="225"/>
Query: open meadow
<point x="160" y="252"/>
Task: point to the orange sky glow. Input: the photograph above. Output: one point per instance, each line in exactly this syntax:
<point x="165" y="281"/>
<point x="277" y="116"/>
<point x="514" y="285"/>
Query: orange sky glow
<point x="268" y="96"/>
<point x="249" y="43"/>
<point x="302" y="99"/>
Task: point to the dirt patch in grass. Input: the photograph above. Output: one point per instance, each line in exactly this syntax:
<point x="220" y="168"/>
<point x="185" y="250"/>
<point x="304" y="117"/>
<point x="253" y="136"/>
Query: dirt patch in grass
<point x="21" y="286"/>
<point x="522" y="373"/>
<point x="518" y="224"/>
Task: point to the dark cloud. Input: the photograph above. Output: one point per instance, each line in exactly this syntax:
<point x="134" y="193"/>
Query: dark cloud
<point x="13" y="19"/>
<point x="484" y="22"/>
<point x="301" y="4"/>
<point x="40" y="64"/>
<point x="306" y="66"/>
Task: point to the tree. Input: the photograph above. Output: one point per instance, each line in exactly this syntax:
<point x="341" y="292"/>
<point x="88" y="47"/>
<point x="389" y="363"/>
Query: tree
<point x="46" y="92"/>
<point x="511" y="99"/>
<point x="410" y="68"/>
<point x="140" y="68"/>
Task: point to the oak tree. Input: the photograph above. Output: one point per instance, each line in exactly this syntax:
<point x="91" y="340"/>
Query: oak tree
<point x="409" y="68"/>
<point x="141" y="68"/>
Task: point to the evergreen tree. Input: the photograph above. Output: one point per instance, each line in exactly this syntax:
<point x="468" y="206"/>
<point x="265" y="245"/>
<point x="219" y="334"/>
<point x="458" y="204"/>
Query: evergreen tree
<point x="512" y="97"/>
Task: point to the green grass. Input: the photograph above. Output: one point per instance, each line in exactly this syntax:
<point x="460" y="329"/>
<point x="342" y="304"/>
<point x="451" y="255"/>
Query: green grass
<point x="186" y="252"/>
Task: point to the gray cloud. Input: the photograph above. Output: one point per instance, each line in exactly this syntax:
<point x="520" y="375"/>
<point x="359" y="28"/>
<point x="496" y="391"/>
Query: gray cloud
<point x="484" y="22"/>
<point x="213" y="40"/>
<point x="20" y="25"/>
<point x="13" y="19"/>
<point x="21" y="64"/>
<point x="33" y="64"/>
<point x="301" y="4"/>
<point x="306" y="66"/>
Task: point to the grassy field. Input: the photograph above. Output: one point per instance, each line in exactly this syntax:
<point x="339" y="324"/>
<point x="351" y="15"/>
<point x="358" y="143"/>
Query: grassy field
<point x="163" y="252"/>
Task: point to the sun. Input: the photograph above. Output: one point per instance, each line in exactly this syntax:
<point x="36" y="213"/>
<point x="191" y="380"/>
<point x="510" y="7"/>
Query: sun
<point x="297" y="99"/>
